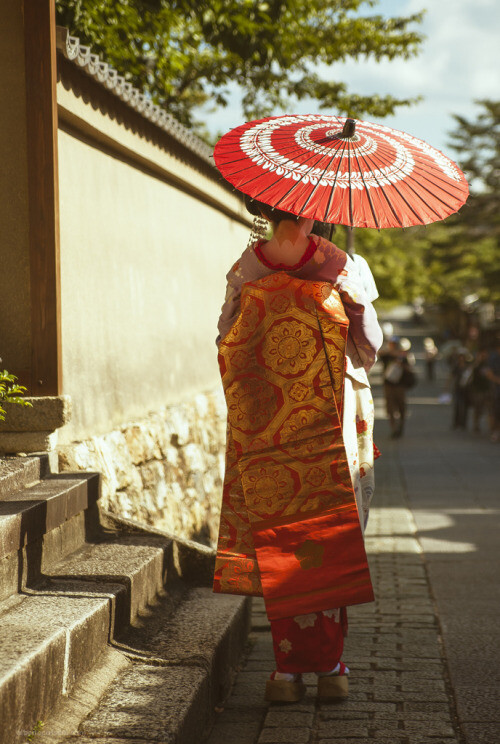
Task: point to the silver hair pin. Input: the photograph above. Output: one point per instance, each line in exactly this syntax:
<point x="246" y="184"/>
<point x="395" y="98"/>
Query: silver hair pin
<point x="259" y="230"/>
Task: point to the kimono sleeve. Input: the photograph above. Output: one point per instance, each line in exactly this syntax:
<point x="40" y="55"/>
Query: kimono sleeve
<point x="364" y="328"/>
<point x="366" y="277"/>
<point x="231" y="307"/>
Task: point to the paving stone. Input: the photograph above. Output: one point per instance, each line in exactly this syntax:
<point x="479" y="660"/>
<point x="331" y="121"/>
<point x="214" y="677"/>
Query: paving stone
<point x="421" y="651"/>
<point x="380" y="677"/>
<point x="294" y="735"/>
<point x="363" y="707"/>
<point x="249" y="681"/>
<point x="257" y="665"/>
<point x="344" y="715"/>
<point x="365" y="740"/>
<point x="426" y="707"/>
<point x="441" y="716"/>
<point x="248" y="690"/>
<point x="84" y="740"/>
<point x="418" y="739"/>
<point x="242" y="716"/>
<point x="356" y="695"/>
<point x="306" y="705"/>
<point x="424" y="674"/>
<point x="288" y="718"/>
<point x="483" y="732"/>
<point x="430" y="728"/>
<point x="419" y="684"/>
<point x="227" y="733"/>
<point x="262" y="647"/>
<point x="247" y="702"/>
<point x="260" y="623"/>
<point x="402" y="697"/>
<point x="478" y="704"/>
<point x="398" y="683"/>
<point x="344" y="729"/>
<point x="391" y="725"/>
<point x="413" y="666"/>
<point x="258" y="604"/>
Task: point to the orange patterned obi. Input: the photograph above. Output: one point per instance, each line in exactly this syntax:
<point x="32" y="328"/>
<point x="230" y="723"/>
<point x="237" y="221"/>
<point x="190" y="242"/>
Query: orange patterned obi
<point x="289" y="525"/>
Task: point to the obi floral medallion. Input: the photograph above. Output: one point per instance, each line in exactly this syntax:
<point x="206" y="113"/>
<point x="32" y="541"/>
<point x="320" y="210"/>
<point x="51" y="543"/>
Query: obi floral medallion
<point x="289" y="524"/>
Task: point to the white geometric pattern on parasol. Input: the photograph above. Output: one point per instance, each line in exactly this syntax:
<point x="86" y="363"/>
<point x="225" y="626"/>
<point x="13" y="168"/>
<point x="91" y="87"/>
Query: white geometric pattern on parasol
<point x="342" y="171"/>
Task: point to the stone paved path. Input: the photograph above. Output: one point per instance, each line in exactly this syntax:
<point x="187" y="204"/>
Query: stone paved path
<point x="399" y="689"/>
<point x="413" y="679"/>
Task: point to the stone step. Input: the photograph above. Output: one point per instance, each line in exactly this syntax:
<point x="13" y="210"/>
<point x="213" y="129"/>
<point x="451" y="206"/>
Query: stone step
<point x="137" y="563"/>
<point x="46" y="642"/>
<point x="77" y="584"/>
<point x="17" y="473"/>
<point x="182" y="661"/>
<point x="56" y="630"/>
<point x="42" y="523"/>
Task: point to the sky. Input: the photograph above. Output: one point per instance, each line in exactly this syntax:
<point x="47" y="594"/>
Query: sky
<point x="459" y="62"/>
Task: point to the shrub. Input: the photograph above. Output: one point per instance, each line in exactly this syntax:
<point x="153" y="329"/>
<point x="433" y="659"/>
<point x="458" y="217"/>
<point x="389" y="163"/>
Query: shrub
<point x="10" y="392"/>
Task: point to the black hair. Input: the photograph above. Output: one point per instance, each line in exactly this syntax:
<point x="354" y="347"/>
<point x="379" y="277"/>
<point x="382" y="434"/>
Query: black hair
<point x="323" y="229"/>
<point x="258" y="208"/>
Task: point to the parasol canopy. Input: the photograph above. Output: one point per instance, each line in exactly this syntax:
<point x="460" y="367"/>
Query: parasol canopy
<point x="343" y="171"/>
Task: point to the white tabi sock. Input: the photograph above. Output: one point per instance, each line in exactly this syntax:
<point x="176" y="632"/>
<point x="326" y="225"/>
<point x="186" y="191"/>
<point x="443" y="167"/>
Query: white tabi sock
<point x="285" y="676"/>
<point x="333" y="672"/>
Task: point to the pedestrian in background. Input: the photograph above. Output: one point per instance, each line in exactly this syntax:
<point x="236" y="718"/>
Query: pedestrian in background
<point x="431" y="354"/>
<point x="399" y="377"/>
<point x="479" y="388"/>
<point x="461" y="374"/>
<point x="492" y="372"/>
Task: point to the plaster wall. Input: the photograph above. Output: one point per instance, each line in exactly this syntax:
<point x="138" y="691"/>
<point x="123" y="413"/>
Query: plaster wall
<point x="15" y="323"/>
<point x="143" y="267"/>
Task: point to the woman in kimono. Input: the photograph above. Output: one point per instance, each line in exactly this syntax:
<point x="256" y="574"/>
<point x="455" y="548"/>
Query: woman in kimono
<point x="313" y="642"/>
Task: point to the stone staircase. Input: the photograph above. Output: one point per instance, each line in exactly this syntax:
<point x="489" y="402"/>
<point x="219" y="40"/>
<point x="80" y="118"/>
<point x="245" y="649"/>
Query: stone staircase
<point x="82" y="591"/>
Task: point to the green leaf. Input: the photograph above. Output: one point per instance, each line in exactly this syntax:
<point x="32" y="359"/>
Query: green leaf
<point x="184" y="53"/>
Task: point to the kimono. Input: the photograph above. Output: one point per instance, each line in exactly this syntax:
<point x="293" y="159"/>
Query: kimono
<point x="354" y="282"/>
<point x="319" y="453"/>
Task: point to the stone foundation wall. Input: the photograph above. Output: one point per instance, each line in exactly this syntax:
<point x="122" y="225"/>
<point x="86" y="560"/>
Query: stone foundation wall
<point x="165" y="470"/>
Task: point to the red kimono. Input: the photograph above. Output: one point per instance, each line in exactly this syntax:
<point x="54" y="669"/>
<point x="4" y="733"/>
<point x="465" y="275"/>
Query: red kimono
<point x="289" y="524"/>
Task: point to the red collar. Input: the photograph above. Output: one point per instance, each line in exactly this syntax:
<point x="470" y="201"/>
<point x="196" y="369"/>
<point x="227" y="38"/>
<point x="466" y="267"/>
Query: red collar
<point x="308" y="254"/>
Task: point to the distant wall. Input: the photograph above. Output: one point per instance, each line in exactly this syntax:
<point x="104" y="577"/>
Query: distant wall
<point x="147" y="236"/>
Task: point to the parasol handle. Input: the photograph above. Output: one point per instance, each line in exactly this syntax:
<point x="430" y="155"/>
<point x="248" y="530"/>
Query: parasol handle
<point x="349" y="129"/>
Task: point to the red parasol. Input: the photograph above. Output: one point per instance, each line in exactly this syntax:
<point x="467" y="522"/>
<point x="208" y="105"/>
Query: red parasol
<point x="342" y="171"/>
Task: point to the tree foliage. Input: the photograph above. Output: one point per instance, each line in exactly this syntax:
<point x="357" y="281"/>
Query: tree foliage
<point x="184" y="53"/>
<point x="465" y="258"/>
<point x="10" y="392"/>
<point x="396" y="259"/>
<point x="446" y="261"/>
<point x="478" y="146"/>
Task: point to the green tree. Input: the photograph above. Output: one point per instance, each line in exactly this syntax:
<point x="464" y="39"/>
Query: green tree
<point x="446" y="261"/>
<point x="396" y="258"/>
<point x="463" y="256"/>
<point x="477" y="144"/>
<point x="184" y="53"/>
